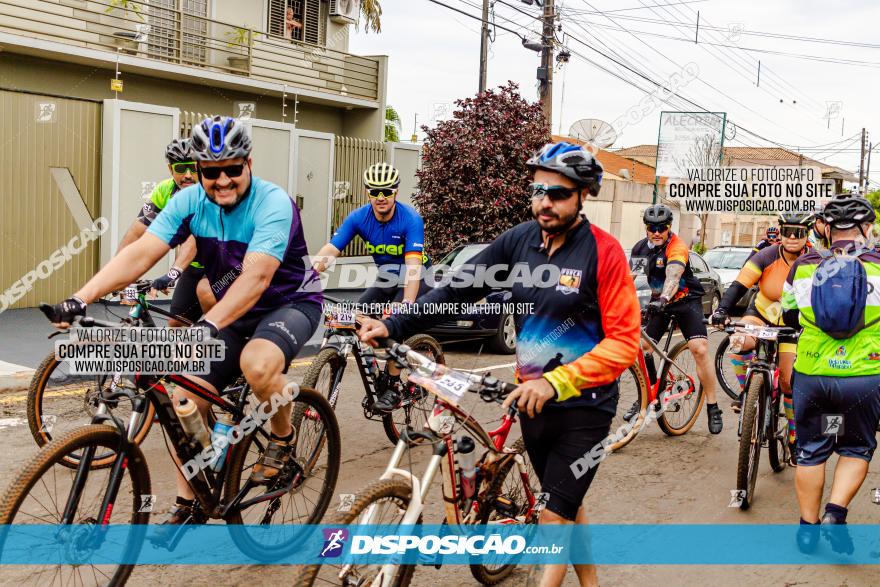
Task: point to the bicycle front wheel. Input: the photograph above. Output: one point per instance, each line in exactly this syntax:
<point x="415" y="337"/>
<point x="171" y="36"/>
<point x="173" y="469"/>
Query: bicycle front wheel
<point x="680" y="414"/>
<point x="58" y="402"/>
<point x="41" y="491"/>
<point x="505" y="502"/>
<point x="777" y="447"/>
<point x="309" y="477"/>
<point x="384" y="503"/>
<point x="633" y="395"/>
<point x="416" y="404"/>
<point x="724" y="370"/>
<point x="750" y="440"/>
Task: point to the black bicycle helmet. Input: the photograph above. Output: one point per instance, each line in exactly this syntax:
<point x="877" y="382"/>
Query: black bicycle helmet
<point x="179" y="151"/>
<point x="220" y="138"/>
<point x="657" y="214"/>
<point x="796" y="218"/>
<point x="572" y="161"/>
<point x="848" y="211"/>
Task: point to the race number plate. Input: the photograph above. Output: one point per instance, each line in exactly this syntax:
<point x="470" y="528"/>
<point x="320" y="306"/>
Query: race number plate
<point x="761" y="332"/>
<point x="449" y="387"/>
<point x="338" y="318"/>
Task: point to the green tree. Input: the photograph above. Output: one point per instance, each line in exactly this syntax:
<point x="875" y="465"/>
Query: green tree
<point x="393" y="125"/>
<point x="874" y="198"/>
<point x="473" y="180"/>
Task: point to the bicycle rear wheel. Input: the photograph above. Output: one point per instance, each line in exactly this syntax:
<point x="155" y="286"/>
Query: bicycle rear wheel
<point x="633" y="392"/>
<point x="724" y="370"/>
<point x="751" y="439"/>
<point x="39" y="495"/>
<point x="311" y="475"/>
<point x="681" y="413"/>
<point x="416" y="404"/>
<point x="505" y="502"/>
<point x="383" y="503"/>
<point x="58" y="402"/>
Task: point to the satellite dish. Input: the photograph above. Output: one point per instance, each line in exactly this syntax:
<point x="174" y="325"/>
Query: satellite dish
<point x="593" y="131"/>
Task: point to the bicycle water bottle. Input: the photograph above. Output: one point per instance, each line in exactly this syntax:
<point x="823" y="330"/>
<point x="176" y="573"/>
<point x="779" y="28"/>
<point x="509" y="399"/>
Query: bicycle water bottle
<point x="467" y="463"/>
<point x="221" y="427"/>
<point x="370" y="362"/>
<point x="192" y="422"/>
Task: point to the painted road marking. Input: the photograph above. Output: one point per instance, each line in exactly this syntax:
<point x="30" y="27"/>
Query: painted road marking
<point x="10" y="398"/>
<point x="13" y="369"/>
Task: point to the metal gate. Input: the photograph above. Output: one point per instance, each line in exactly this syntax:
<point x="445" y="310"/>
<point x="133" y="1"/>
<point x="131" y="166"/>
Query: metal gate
<point x="352" y="157"/>
<point x="54" y="143"/>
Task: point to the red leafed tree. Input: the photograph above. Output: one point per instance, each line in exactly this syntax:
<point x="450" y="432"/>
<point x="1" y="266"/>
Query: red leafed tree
<point x="473" y="180"/>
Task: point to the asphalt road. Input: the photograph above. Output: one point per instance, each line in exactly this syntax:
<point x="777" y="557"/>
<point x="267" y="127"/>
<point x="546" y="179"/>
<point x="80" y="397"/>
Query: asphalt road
<point x="656" y="479"/>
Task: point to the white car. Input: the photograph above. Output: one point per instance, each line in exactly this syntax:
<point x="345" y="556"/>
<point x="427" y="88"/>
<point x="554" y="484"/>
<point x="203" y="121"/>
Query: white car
<point x="727" y="262"/>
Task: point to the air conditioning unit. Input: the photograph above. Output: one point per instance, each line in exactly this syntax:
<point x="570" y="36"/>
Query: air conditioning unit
<point x="345" y="11"/>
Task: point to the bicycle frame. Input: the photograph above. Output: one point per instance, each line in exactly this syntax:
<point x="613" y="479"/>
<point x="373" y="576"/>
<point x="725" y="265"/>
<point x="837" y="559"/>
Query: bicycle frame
<point x="349" y="345"/>
<point x="654" y="389"/>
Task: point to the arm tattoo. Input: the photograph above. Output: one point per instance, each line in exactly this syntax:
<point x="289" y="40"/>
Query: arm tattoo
<point x="673" y="275"/>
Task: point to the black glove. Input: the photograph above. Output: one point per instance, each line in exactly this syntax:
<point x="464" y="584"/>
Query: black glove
<point x="720" y="317"/>
<point x="654" y="307"/>
<point x="66" y="311"/>
<point x="212" y="328"/>
<point x="167" y="280"/>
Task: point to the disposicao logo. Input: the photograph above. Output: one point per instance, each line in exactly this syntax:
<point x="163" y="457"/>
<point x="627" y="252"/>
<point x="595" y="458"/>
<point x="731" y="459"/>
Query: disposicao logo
<point x="334" y="542"/>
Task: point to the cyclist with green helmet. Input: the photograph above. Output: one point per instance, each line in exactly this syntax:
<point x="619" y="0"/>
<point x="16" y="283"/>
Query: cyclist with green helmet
<point x="185" y="301"/>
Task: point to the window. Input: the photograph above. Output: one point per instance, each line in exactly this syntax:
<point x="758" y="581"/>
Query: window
<point x="698" y="264"/>
<point x="298" y="20"/>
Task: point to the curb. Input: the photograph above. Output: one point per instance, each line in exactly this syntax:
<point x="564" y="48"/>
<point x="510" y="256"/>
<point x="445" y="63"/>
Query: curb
<point x="19" y="381"/>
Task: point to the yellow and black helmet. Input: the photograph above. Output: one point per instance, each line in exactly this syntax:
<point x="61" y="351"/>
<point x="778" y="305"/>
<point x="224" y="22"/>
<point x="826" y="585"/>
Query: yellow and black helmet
<point x="381" y="175"/>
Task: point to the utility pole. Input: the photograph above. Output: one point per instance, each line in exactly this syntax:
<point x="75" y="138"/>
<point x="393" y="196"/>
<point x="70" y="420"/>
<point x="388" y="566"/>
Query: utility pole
<point x="545" y="72"/>
<point x="862" y="162"/>
<point x="484" y="46"/>
<point x="868" y="170"/>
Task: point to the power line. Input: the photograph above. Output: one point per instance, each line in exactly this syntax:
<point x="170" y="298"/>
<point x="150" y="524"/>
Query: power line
<point x="475" y="17"/>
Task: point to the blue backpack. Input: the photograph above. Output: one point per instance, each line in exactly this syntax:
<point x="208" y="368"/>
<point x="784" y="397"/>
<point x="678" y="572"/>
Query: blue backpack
<point x="839" y="295"/>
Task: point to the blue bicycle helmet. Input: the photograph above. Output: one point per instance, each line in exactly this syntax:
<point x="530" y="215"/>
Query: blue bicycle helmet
<point x="572" y="161"/>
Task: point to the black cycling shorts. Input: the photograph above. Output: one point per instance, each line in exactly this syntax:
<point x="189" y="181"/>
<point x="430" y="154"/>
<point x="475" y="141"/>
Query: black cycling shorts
<point x="688" y="316"/>
<point x="787" y="342"/>
<point x="184" y="300"/>
<point x="289" y="328"/>
<point x="555" y="439"/>
<point x="835" y="414"/>
<point x="386" y="294"/>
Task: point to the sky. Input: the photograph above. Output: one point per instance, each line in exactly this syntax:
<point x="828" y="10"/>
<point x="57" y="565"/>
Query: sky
<point x="434" y="60"/>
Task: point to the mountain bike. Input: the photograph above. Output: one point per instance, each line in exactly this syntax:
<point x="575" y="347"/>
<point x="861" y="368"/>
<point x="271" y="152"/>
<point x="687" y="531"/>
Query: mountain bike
<point x="500" y="492"/>
<point x="58" y="401"/>
<point x="674" y="399"/>
<point x="759" y="423"/>
<point x="340" y="342"/>
<point x="48" y="491"/>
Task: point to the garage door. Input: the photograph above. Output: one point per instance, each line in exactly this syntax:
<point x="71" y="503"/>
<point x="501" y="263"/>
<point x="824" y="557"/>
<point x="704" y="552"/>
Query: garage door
<point x="51" y="186"/>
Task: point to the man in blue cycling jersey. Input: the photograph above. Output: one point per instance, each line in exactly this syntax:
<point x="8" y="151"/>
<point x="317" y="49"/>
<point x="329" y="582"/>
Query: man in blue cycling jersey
<point x="394" y="234"/>
<point x="250" y="237"/>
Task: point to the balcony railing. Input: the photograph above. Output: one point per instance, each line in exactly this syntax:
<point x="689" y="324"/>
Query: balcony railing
<point x="173" y="36"/>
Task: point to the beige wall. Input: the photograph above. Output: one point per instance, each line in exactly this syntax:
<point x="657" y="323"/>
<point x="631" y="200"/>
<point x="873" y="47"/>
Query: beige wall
<point x="244" y="13"/>
<point x="369" y="123"/>
<point x="41" y="76"/>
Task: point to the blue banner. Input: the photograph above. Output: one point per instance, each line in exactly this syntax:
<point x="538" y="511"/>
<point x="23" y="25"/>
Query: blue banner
<point x="218" y="544"/>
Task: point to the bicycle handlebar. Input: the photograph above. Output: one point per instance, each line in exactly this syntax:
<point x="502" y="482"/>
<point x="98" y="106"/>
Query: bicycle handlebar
<point x="730" y="326"/>
<point x="488" y="387"/>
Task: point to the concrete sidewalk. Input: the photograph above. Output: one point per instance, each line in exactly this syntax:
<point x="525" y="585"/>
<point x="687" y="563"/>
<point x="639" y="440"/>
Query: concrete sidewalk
<point x="24" y="342"/>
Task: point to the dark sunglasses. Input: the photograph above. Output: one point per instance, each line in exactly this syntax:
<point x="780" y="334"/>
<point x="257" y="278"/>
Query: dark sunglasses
<point x="214" y="172"/>
<point x="381" y="192"/>
<point x="794" y="231"/>
<point x="556" y="193"/>
<point x="657" y="228"/>
<point x="190" y="166"/>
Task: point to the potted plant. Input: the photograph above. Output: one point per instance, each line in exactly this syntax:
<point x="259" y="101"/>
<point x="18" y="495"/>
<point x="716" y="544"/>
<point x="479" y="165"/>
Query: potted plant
<point x="126" y="34"/>
<point x="238" y="41"/>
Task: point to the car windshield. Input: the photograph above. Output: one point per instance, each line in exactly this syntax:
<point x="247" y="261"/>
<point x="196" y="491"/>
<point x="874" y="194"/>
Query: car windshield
<point x="729" y="259"/>
<point x="461" y="256"/>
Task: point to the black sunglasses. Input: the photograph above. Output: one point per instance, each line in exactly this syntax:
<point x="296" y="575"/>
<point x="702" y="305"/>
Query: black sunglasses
<point x="657" y="228"/>
<point x="556" y="193"/>
<point x="381" y="192"/>
<point x="794" y="231"/>
<point x="214" y="172"/>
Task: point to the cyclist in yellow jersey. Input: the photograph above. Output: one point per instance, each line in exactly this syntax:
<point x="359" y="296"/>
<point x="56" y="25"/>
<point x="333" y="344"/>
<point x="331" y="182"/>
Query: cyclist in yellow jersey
<point x="768" y="269"/>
